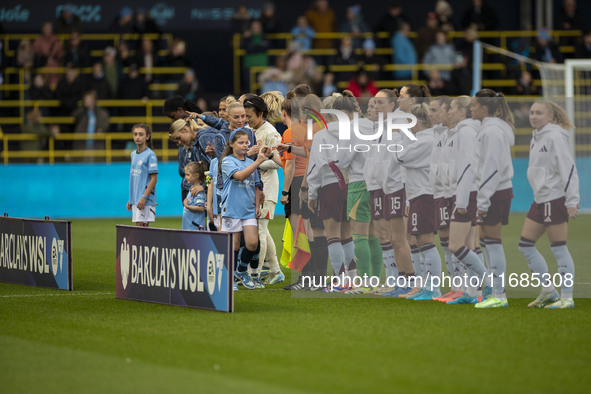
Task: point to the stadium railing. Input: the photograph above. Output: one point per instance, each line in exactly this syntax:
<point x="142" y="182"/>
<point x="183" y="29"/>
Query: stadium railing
<point x="163" y="147"/>
<point x="500" y="38"/>
<point x="12" y="40"/>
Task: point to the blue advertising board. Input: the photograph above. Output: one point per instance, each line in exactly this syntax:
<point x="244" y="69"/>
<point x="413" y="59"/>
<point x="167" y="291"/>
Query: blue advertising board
<point x="175" y="267"/>
<point x="36" y="252"/>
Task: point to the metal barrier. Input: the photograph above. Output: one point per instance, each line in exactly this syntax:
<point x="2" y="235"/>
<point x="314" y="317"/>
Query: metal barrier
<point x="165" y="151"/>
<point x="501" y="36"/>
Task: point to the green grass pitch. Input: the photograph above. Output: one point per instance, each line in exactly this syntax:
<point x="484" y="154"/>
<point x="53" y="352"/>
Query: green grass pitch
<point x="86" y="341"/>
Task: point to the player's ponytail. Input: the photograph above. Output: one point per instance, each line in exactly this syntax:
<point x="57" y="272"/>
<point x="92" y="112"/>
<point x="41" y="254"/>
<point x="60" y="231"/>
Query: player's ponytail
<point x="274" y="101"/>
<point x="421" y="112"/>
<point x="496" y="105"/>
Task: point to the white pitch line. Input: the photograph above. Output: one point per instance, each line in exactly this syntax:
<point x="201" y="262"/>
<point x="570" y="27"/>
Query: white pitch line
<point x="53" y="294"/>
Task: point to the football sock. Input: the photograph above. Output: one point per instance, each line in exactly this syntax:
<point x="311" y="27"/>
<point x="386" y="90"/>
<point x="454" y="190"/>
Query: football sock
<point x="536" y="262"/>
<point x="362" y="253"/>
<point x="376" y="256"/>
<point x="433" y="265"/>
<point x="497" y="265"/>
<point x="336" y="255"/>
<point x="566" y="266"/>
<point x="472" y="262"/>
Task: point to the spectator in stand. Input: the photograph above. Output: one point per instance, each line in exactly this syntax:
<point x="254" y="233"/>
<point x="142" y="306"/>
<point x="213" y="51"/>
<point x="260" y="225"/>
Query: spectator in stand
<point x="322" y="19"/>
<point x="390" y="22"/>
<point x="256" y="47"/>
<point x="124" y="55"/>
<point x="444" y="14"/>
<point x="33" y="125"/>
<point x="69" y="91"/>
<point x="203" y="106"/>
<point x="97" y="82"/>
<point x="40" y="91"/>
<point x="89" y="118"/>
<point x="68" y="22"/>
<point x="303" y="34"/>
<point x="148" y="58"/>
<point x="437" y="86"/>
<point x="545" y="50"/>
<point x="328" y="85"/>
<point x="369" y="58"/>
<point x="426" y="34"/>
<point x="177" y="56"/>
<point x="525" y="85"/>
<point x="77" y="53"/>
<point x="25" y="55"/>
<point x="143" y="23"/>
<point x="583" y="50"/>
<point x="354" y="24"/>
<point x="133" y="87"/>
<point x="345" y="56"/>
<point x="404" y="51"/>
<point x="241" y="19"/>
<point x="271" y="81"/>
<point x="482" y="15"/>
<point x="25" y="58"/>
<point x="112" y="70"/>
<point x="461" y="76"/>
<point x="124" y="22"/>
<point x="48" y="52"/>
<point x="268" y="18"/>
<point x="303" y="69"/>
<point x="361" y="86"/>
<point x="189" y="86"/>
<point x="441" y="52"/>
<point x="466" y="46"/>
<point x="569" y="18"/>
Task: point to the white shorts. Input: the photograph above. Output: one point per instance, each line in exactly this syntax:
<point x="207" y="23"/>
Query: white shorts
<point x="148" y="214"/>
<point x="231" y="225"/>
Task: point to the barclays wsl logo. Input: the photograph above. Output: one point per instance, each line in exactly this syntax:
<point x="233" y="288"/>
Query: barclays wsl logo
<point x="372" y="131"/>
<point x="124" y="263"/>
<point x="173" y="268"/>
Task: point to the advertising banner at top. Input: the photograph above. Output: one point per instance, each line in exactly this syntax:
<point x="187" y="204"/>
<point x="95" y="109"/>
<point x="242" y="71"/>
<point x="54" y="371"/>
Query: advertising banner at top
<point x="36" y="252"/>
<point x="175" y="267"/>
<point x="100" y="16"/>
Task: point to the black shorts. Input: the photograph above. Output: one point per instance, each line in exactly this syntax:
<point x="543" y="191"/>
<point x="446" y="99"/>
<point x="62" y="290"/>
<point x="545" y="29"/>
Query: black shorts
<point x="549" y="213"/>
<point x="500" y="206"/>
<point x="422" y="215"/>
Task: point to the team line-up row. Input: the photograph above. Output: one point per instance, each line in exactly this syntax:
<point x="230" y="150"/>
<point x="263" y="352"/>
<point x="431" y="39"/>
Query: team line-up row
<point x="366" y="209"/>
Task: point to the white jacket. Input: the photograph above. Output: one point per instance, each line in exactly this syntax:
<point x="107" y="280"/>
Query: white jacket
<point x="438" y="173"/>
<point x="416" y="159"/>
<point x="319" y="173"/>
<point x="495" y="166"/>
<point x="461" y="149"/>
<point x="351" y="160"/>
<point x="551" y="171"/>
<point x="269" y="136"/>
<point x="377" y="165"/>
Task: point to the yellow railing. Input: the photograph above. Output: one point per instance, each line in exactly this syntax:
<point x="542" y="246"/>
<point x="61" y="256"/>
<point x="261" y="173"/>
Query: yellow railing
<point x="165" y="152"/>
<point x="501" y="36"/>
<point x="110" y="39"/>
<point x="153" y="114"/>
